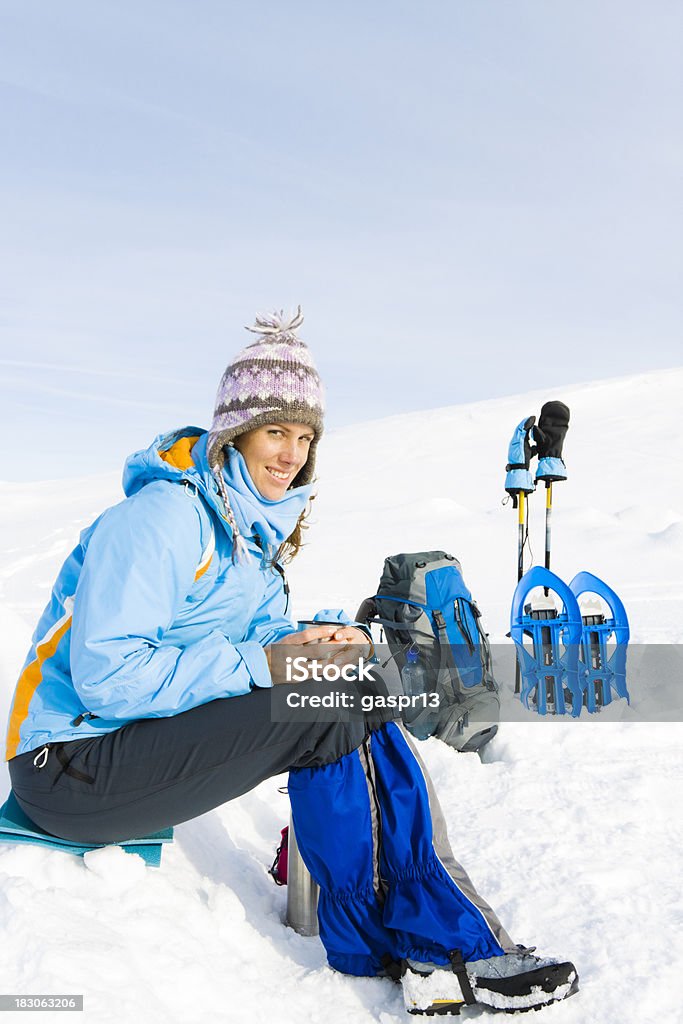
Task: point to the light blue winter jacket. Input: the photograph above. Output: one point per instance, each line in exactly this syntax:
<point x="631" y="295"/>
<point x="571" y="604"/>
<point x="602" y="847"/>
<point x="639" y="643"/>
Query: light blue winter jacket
<point x="149" y="616"/>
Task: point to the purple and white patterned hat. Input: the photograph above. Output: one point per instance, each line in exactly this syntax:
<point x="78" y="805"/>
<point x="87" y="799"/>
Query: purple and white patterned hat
<point x="272" y="380"/>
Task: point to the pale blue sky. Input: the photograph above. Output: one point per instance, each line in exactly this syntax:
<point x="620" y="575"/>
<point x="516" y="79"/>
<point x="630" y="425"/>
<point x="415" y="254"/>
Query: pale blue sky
<point x="469" y="198"/>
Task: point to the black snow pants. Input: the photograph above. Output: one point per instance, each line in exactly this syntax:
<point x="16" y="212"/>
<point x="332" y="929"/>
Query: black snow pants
<point x="157" y="772"/>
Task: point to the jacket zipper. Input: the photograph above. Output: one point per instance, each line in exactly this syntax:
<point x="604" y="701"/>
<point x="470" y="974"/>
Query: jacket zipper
<point x="81" y="718"/>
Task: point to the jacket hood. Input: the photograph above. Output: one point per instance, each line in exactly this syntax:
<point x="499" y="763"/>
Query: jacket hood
<point x="181" y="455"/>
<point x="177" y="455"/>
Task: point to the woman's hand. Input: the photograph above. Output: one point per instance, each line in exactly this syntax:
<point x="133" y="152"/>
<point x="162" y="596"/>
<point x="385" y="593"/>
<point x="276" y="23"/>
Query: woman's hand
<point x="329" y="644"/>
<point x="354" y="639"/>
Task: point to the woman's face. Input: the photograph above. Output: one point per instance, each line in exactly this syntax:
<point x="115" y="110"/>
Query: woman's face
<point x="274" y="454"/>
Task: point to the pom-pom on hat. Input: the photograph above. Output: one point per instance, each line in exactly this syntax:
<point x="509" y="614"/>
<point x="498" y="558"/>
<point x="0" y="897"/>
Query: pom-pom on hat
<point x="272" y="380"/>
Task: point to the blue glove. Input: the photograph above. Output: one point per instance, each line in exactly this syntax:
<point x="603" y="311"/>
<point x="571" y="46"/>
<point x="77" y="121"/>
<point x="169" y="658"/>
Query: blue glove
<point x="520" y="452"/>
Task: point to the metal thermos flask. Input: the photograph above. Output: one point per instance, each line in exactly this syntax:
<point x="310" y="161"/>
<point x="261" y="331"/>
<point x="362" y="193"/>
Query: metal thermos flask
<point x="302" y="891"/>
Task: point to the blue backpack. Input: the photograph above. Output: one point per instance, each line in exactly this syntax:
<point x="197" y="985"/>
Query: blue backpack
<point x="430" y="619"/>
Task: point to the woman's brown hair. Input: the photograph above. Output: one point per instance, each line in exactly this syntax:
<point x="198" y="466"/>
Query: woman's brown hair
<point x="291" y="547"/>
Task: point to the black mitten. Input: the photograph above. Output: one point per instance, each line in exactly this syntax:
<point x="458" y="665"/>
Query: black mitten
<point x="549" y="435"/>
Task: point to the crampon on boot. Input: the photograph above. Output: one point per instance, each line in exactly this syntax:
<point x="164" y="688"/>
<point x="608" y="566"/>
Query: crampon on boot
<point x="514" y="982"/>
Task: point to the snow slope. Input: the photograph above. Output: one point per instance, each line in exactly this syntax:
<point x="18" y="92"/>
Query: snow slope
<point x="571" y="830"/>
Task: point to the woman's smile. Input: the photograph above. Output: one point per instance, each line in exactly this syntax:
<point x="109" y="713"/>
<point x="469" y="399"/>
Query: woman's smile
<point x="279" y="474"/>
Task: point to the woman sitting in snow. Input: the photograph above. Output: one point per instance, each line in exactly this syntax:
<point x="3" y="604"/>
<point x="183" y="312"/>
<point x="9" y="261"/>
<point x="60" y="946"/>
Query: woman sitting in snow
<point x="146" y="697"/>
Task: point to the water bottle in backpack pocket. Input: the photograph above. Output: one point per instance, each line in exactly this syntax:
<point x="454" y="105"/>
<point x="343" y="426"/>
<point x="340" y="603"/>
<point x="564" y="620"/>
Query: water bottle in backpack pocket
<point x="418" y="681"/>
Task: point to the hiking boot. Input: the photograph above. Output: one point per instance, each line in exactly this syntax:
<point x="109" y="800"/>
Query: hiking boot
<point x="431" y="989"/>
<point x="514" y="982"/>
<point x="521" y="981"/>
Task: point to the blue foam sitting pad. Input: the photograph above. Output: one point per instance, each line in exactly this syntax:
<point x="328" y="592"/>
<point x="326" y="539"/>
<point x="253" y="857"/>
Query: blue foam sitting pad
<point x="16" y="827"/>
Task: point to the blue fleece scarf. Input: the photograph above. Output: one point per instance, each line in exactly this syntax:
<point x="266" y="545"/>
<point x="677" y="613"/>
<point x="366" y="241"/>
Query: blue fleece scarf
<point x="273" y="521"/>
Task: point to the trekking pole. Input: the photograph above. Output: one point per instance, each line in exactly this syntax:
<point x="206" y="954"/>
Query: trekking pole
<point x="519" y="483"/>
<point x="549" y="435"/>
<point x="548" y="514"/>
<point x="521" y="524"/>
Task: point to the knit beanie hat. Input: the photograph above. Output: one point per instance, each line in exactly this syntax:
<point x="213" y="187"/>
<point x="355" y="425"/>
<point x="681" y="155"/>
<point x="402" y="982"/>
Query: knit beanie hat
<point x="273" y="380"/>
<point x="270" y="381"/>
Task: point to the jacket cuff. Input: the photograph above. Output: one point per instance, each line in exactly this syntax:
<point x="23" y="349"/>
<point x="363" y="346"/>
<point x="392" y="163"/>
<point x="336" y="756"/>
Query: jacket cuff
<point x="254" y="657"/>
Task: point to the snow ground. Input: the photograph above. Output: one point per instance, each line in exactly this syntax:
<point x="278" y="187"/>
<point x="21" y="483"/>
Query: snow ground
<point x="571" y="830"/>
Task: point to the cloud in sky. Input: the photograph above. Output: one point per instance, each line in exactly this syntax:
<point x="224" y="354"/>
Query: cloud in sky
<point x="468" y="199"/>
